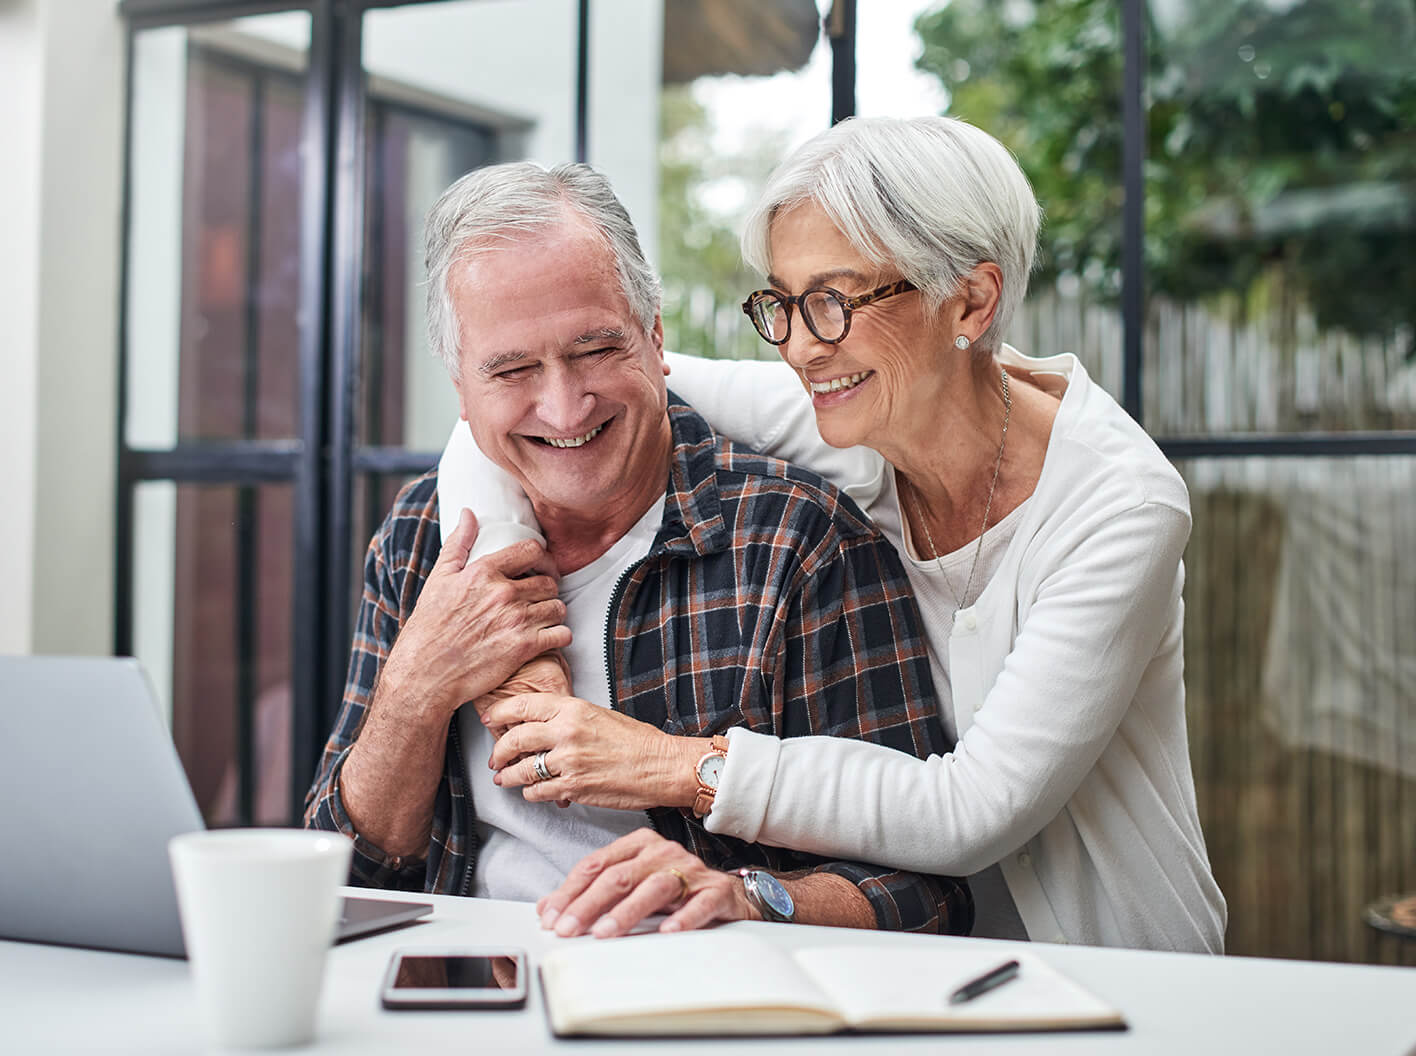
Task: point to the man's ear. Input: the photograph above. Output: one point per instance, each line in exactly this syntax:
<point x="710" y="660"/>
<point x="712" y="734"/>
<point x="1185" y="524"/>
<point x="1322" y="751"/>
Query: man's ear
<point x="656" y="335"/>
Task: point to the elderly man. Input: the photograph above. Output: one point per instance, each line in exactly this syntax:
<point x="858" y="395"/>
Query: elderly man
<point x="714" y="586"/>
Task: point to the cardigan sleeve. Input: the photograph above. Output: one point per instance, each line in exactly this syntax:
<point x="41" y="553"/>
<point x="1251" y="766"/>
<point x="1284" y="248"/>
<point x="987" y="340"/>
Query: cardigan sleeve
<point x="762" y="405"/>
<point x="1093" y="625"/>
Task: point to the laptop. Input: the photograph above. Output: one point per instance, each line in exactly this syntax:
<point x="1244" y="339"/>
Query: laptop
<point x="91" y="790"/>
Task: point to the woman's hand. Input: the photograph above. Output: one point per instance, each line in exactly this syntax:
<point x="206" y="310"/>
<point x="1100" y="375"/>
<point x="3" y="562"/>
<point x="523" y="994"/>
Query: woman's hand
<point x="611" y="890"/>
<point x="546" y="673"/>
<point x="596" y="756"/>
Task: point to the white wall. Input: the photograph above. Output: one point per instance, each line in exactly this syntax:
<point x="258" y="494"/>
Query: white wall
<point x="61" y="79"/>
<point x="20" y="76"/>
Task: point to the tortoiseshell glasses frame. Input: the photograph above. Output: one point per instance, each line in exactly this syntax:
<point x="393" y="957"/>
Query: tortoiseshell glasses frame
<point x="824" y="310"/>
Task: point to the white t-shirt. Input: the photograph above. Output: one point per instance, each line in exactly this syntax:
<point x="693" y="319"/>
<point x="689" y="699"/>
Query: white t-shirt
<point x="526" y="849"/>
<point x="939" y="586"/>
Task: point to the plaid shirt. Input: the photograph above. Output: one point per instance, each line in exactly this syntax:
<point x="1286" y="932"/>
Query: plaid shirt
<point x="767" y="600"/>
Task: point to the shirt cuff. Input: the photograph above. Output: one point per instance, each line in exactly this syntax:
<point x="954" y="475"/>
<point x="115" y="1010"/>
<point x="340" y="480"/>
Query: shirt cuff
<point x="745" y="786"/>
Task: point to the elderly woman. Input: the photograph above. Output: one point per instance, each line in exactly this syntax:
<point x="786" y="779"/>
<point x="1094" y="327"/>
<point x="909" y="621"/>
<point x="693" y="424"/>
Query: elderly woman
<point x="1042" y="531"/>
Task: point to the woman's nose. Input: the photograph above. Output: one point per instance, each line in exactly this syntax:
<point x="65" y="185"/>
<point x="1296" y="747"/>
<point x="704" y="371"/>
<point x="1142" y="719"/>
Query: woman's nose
<point x="802" y="348"/>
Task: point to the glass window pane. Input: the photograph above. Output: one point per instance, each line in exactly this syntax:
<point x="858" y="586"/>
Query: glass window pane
<point x="213" y="254"/>
<point x="737" y="97"/>
<point x="1046" y="81"/>
<point x="212" y="614"/>
<point x="1300" y="671"/>
<point x="433" y="113"/>
<point x="1280" y="213"/>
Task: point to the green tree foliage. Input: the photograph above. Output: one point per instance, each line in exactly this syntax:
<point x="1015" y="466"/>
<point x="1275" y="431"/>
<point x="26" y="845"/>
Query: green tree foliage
<point x="704" y="277"/>
<point x="1281" y="140"/>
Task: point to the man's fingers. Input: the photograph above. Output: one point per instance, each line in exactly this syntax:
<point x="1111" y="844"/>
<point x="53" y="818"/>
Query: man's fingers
<point x="458" y="545"/>
<point x="699" y="911"/>
<point x="534" y="589"/>
<point x="545" y="614"/>
<point x="656" y="892"/>
<point x="520" y="558"/>
<point x="548" y="638"/>
<point x="586" y="871"/>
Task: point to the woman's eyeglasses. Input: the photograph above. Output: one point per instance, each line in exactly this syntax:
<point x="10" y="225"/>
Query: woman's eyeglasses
<point x="826" y="312"/>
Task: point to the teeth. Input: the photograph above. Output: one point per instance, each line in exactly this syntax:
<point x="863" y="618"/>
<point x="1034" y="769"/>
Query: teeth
<point x="579" y="441"/>
<point x="837" y="384"/>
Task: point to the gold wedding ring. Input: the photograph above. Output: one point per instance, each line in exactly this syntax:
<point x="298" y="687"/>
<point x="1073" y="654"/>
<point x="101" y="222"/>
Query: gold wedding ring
<point x="543" y="773"/>
<point x="683" y="882"/>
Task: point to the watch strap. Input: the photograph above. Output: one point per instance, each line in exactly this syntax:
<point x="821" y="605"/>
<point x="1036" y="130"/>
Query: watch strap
<point x="703" y="801"/>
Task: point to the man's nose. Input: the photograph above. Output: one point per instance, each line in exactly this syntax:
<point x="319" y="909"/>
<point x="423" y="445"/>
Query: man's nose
<point x="566" y="403"/>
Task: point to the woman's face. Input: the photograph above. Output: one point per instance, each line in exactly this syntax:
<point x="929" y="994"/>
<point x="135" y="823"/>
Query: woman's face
<point x="874" y="385"/>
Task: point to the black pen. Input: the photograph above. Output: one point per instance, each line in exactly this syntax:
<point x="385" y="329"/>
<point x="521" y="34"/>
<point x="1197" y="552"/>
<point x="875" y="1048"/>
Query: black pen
<point x="984" y="983"/>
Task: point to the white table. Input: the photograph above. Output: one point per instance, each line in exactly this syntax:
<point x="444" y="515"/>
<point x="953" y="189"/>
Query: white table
<point x="66" y="1000"/>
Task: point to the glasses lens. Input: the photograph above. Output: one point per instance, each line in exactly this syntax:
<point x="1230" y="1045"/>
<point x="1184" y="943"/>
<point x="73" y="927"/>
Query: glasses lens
<point x="769" y="315"/>
<point x="825" y="314"/>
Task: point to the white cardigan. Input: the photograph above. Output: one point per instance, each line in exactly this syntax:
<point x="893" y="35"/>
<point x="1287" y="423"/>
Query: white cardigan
<point x="1072" y="769"/>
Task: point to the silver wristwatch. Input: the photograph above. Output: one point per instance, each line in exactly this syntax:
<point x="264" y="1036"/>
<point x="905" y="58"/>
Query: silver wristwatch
<point x="768" y="896"/>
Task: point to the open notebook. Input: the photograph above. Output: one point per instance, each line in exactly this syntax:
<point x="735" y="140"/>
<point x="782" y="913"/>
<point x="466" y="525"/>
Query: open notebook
<point x="729" y="981"/>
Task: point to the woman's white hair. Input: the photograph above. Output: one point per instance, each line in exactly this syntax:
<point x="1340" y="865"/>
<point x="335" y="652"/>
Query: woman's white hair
<point x="490" y="207"/>
<point x="928" y="197"/>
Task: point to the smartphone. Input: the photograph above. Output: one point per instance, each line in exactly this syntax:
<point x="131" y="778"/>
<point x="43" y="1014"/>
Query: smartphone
<point x="455" y="977"/>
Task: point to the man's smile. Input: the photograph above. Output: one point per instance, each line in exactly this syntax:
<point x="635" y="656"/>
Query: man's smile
<point x="572" y="441"/>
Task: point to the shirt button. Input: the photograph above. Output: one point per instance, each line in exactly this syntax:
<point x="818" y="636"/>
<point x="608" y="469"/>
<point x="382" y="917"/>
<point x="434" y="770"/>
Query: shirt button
<point x="1025" y="860"/>
<point x="970" y="621"/>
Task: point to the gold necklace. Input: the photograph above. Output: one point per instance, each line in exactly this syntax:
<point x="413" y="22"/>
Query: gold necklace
<point x="924" y="521"/>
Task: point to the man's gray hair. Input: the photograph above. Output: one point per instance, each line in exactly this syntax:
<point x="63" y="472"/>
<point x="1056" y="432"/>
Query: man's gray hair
<point x="490" y="207"/>
<point x="929" y="197"/>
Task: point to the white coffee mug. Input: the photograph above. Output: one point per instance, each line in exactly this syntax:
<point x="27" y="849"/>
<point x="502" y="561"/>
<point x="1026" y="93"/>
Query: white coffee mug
<point x="259" y="909"/>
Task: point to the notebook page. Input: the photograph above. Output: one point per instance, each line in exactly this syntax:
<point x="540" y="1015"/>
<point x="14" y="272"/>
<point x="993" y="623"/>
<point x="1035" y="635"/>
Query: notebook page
<point x="727" y="981"/>
<point x="887" y="988"/>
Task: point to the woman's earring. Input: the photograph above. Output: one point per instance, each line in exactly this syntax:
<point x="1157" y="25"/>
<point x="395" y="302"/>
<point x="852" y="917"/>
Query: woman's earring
<point x="961" y="343"/>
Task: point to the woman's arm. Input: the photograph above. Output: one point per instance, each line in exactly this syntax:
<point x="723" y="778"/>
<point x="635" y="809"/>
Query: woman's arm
<point x="1063" y="691"/>
<point x="761" y="404"/>
<point x="757" y="404"/>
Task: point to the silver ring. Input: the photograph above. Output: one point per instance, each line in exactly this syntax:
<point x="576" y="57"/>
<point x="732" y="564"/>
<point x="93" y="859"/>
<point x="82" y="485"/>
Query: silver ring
<point x="538" y="764"/>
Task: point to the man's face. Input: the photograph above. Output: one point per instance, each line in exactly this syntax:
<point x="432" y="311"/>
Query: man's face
<point x="560" y="384"/>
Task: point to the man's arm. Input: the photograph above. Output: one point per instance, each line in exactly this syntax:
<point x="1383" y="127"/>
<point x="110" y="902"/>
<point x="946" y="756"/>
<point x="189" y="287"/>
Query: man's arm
<point x="472" y="625"/>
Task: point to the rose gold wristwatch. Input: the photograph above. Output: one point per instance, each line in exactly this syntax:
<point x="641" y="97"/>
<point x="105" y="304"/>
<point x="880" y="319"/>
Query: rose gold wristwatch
<point x="708" y="770"/>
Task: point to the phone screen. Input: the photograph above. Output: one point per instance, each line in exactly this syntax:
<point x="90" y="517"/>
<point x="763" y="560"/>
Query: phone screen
<point x="457" y="972"/>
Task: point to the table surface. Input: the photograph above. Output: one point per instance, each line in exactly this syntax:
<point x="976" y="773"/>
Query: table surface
<point x="70" y="1000"/>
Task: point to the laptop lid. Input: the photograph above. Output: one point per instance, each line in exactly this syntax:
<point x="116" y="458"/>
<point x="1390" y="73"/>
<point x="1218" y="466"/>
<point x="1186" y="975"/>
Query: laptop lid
<point x="91" y="790"/>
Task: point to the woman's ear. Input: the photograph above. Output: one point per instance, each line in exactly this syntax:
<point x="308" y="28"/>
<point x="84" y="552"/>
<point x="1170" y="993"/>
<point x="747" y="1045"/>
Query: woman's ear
<point x="982" y="288"/>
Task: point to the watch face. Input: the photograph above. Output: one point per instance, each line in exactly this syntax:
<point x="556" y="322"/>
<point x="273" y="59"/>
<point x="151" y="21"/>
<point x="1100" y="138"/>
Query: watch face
<point x="710" y="769"/>
<point x="771" y="891"/>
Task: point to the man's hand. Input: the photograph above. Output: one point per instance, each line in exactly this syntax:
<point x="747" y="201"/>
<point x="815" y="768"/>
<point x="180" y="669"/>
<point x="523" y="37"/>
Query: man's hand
<point x="597" y="756"/>
<point x="544" y="674"/>
<point x="611" y="890"/>
<point x="474" y="624"/>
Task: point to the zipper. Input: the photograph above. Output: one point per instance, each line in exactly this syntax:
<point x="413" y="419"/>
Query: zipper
<point x="455" y="778"/>
<point x="616" y="596"/>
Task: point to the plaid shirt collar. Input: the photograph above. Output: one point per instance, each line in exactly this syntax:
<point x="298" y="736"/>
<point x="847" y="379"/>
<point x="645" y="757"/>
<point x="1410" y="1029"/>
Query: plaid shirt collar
<point x="693" y="514"/>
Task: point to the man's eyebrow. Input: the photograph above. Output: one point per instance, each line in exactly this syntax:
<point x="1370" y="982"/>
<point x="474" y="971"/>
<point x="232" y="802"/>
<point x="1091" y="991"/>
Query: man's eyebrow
<point x="821" y="278"/>
<point x="606" y="333"/>
<point x="501" y="359"/>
